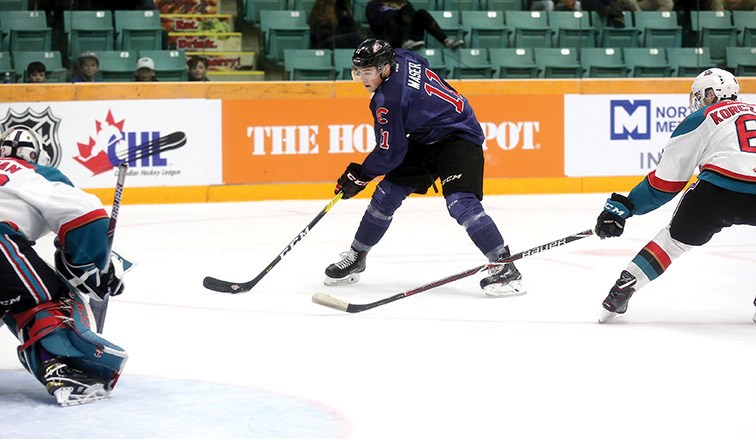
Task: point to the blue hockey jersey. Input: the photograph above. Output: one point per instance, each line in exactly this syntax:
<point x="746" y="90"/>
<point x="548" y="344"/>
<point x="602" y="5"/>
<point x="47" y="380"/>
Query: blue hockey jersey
<point x="415" y="103"/>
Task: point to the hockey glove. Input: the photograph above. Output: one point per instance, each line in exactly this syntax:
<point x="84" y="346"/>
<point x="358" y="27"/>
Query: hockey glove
<point x="88" y="279"/>
<point x="352" y="181"/>
<point x="611" y="222"/>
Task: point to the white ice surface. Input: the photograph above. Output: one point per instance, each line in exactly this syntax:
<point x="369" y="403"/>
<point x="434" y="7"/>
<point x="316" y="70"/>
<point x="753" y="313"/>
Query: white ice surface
<point x="446" y="363"/>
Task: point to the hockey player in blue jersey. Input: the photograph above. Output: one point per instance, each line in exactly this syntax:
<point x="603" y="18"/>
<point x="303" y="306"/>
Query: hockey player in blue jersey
<point x="424" y="131"/>
<point x="719" y="139"/>
<point x="44" y="307"/>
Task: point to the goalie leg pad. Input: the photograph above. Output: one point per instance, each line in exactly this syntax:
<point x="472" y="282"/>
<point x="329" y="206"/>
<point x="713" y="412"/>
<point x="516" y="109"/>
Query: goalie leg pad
<point x="62" y="330"/>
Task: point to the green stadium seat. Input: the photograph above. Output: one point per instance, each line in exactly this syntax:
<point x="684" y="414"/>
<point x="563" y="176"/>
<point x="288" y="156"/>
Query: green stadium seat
<point x="25" y="31"/>
<point x="458" y="5"/>
<point x="302" y="5"/>
<point x="89" y="31"/>
<point x="309" y="65"/>
<point x="283" y="30"/>
<point x="689" y="61"/>
<point x="571" y="29"/>
<point x="647" y="62"/>
<point x="470" y="64"/>
<point x="436" y="60"/>
<point x="170" y="65"/>
<point x="484" y="29"/>
<point x="603" y="62"/>
<point x="6" y="67"/>
<point x="557" y="62"/>
<point x="528" y="28"/>
<point x="741" y="60"/>
<point x="513" y="63"/>
<point x="252" y="9"/>
<point x="617" y="37"/>
<point x="14" y="5"/>
<point x="449" y="22"/>
<point x="501" y="5"/>
<point x="714" y="30"/>
<point x="52" y="60"/>
<point x="658" y="29"/>
<point x="117" y="66"/>
<point x="138" y="30"/>
<point x="342" y="62"/>
<point x="745" y="23"/>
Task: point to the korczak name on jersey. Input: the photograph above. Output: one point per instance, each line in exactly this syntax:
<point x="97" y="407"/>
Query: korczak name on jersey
<point x="413" y="75"/>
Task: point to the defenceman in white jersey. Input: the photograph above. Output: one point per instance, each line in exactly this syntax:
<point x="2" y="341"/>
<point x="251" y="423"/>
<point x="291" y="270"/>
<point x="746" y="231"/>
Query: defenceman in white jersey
<point x="44" y="306"/>
<point x="719" y="139"/>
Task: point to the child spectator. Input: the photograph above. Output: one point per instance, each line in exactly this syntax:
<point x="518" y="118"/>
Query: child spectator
<point x="197" y="68"/>
<point x="87" y="65"/>
<point x="145" y="71"/>
<point x="36" y="72"/>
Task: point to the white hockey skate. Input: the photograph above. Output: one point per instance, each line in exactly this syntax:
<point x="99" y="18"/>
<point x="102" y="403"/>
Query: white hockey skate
<point x="70" y="386"/>
<point x="347" y="270"/>
<point x="504" y="281"/>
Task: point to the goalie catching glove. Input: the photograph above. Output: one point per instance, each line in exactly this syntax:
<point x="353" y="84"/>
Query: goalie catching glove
<point x="611" y="222"/>
<point x="352" y="181"/>
<point x="90" y="280"/>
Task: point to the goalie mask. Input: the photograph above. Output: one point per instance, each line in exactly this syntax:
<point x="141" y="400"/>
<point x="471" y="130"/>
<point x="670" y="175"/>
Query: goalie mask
<point x="23" y="143"/>
<point x="712" y="86"/>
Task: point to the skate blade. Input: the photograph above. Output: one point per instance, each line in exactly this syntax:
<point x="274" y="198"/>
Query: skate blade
<point x="754" y="317"/>
<point x="346" y="280"/>
<point x="511" y="289"/>
<point x="65" y="398"/>
<point x="606" y="316"/>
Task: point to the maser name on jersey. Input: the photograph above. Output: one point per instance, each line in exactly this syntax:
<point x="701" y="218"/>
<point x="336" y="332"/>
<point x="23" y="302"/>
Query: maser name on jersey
<point x="413" y="75"/>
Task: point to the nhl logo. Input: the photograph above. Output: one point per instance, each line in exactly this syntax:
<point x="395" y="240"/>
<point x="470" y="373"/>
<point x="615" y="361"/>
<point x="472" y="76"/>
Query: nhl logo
<point x="44" y="123"/>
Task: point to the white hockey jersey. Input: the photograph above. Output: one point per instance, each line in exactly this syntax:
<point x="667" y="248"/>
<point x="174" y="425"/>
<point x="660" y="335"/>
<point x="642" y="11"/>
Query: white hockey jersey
<point x="719" y="141"/>
<point x="36" y="200"/>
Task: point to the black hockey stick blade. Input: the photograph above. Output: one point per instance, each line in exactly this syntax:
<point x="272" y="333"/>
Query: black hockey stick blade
<point x="223" y="286"/>
<point x="331" y="302"/>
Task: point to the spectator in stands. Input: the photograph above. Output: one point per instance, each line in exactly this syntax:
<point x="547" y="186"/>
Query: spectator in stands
<point x="733" y="5"/>
<point x="611" y="11"/>
<point x="87" y="66"/>
<point x="36" y="72"/>
<point x="397" y="22"/>
<point x="197" y="68"/>
<point x="145" y="71"/>
<point x="332" y="25"/>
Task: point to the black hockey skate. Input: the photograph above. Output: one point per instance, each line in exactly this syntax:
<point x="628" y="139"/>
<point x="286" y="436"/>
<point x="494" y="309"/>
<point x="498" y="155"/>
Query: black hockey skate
<point x="504" y="280"/>
<point x="70" y="386"/>
<point x="620" y="294"/>
<point x="347" y="270"/>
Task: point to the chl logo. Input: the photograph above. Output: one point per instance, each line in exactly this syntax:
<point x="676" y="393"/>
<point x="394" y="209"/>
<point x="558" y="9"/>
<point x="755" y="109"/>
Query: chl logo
<point x="630" y="119"/>
<point x="44" y="123"/>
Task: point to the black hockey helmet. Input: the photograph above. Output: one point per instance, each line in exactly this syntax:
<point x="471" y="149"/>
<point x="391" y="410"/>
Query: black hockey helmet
<point x="373" y="53"/>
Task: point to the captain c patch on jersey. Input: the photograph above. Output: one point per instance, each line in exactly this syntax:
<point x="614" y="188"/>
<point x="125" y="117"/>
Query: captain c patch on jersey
<point x="379" y="113"/>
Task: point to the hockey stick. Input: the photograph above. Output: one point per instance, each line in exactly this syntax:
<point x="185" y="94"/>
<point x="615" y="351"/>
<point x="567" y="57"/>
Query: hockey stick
<point x="100" y="307"/>
<point x="223" y="286"/>
<point x="331" y="302"/>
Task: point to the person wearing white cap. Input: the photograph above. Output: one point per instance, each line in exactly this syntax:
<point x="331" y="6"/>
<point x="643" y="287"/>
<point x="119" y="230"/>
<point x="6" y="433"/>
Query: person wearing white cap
<point x="87" y="65"/>
<point x="145" y="71"/>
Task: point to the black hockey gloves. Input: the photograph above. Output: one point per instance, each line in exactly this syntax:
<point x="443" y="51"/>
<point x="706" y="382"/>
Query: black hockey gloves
<point x="611" y="222"/>
<point x="352" y="181"/>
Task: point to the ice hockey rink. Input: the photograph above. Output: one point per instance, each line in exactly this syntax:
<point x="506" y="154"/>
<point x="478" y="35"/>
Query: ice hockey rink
<point x="446" y="363"/>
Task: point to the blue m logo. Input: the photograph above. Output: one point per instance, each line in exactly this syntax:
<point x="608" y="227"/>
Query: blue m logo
<point x="630" y="120"/>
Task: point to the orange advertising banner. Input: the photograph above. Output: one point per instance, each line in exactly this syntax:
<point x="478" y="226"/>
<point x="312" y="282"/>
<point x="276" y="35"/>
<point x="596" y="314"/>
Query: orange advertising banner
<point x="312" y="140"/>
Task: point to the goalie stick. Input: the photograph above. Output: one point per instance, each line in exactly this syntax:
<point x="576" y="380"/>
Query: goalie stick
<point x="100" y="307"/>
<point x="223" y="286"/>
<point x="332" y="302"/>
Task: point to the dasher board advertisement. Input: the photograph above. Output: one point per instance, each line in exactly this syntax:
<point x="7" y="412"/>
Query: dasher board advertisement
<point x="620" y="135"/>
<point x="88" y="139"/>
<point x="312" y="140"/>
